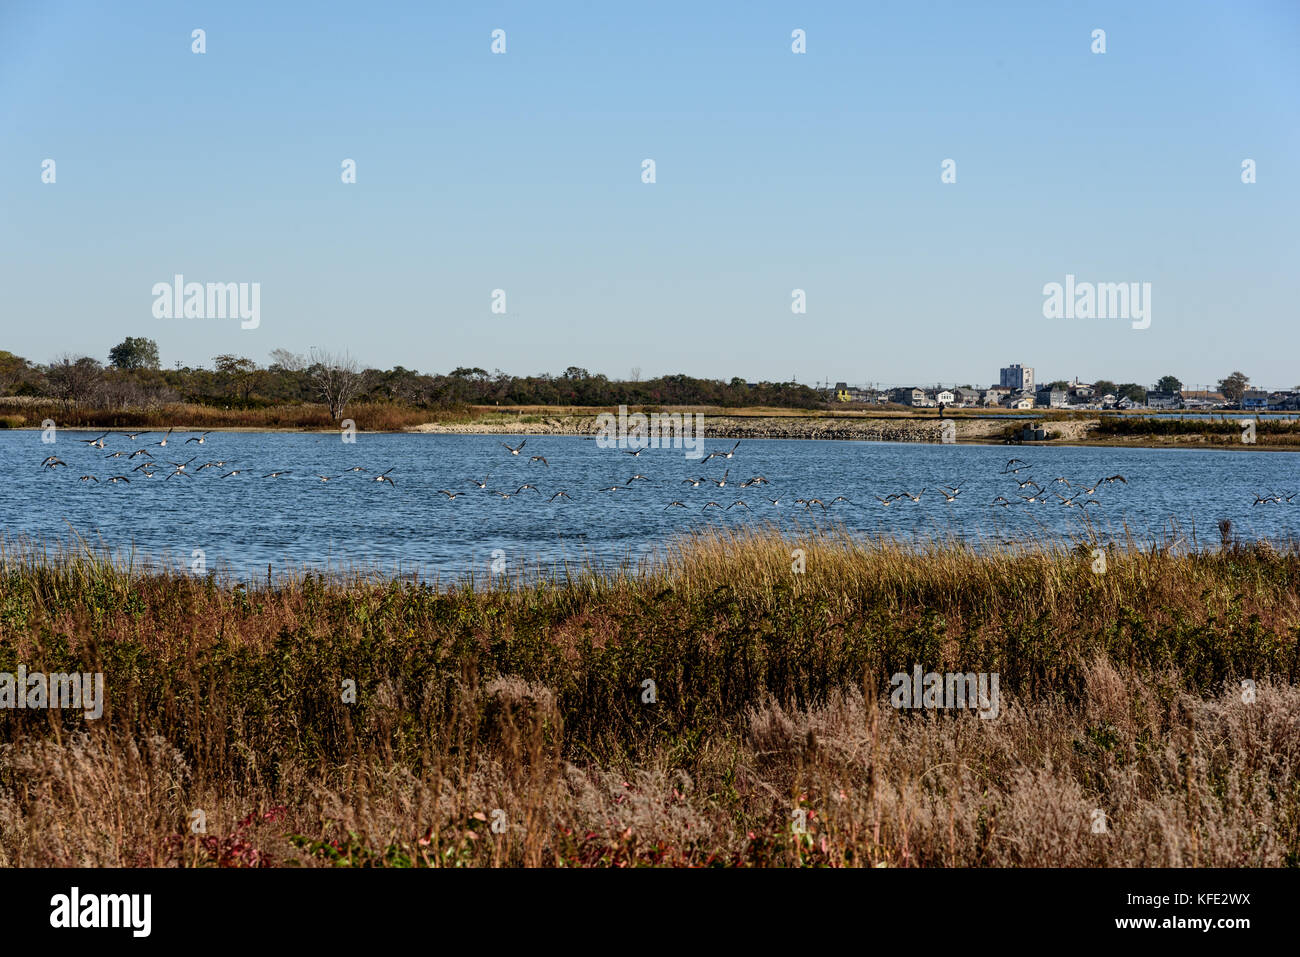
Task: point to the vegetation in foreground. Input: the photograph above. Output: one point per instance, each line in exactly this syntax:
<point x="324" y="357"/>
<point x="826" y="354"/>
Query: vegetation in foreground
<point x="1225" y="430"/>
<point x="1121" y="696"/>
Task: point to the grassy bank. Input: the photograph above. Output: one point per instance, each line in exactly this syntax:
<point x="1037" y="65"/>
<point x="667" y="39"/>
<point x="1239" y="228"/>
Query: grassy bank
<point x="1273" y="433"/>
<point x="31" y="413"/>
<point x="1120" y="693"/>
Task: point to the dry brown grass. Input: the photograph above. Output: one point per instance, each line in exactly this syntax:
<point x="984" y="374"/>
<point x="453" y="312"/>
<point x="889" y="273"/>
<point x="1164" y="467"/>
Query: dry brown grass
<point x="1120" y="694"/>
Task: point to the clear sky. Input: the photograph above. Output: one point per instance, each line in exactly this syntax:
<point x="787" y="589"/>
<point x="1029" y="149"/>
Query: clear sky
<point x="775" y="171"/>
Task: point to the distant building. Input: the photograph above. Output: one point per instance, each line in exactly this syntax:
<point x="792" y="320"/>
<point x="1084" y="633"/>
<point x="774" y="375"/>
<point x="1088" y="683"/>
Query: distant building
<point x="1018" y="401"/>
<point x="1201" y="398"/>
<point x="967" y="396"/>
<point x="847" y="393"/>
<point x="1254" y="399"/>
<point x="1016" y="377"/>
<point x="944" y="396"/>
<point x="1284" y="401"/>
<point x="1048" y="398"/>
<point x="1163" y="400"/>
<point x="909" y="397"/>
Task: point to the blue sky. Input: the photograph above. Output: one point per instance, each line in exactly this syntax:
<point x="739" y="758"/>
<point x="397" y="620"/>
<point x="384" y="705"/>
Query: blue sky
<point x="775" y="171"/>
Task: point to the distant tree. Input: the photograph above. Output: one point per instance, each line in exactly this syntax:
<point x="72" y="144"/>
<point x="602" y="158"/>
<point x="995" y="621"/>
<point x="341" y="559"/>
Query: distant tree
<point x="73" y="380"/>
<point x="13" y="370"/>
<point x="1234" y="386"/>
<point x="1132" y="391"/>
<point x="1105" y="387"/>
<point x="133" y="353"/>
<point x="288" y="361"/>
<point x="1169" y="383"/>
<point x="1060" y="384"/>
<point x="241" y="371"/>
<point x="576" y="373"/>
<point x="338" y="379"/>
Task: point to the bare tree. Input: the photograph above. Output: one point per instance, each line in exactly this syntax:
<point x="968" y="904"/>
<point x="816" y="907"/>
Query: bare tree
<point x="73" y="380"/>
<point x="338" y="378"/>
<point x="288" y="361"/>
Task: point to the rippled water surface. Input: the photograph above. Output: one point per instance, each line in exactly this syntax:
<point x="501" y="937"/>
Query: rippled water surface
<point x="245" y="522"/>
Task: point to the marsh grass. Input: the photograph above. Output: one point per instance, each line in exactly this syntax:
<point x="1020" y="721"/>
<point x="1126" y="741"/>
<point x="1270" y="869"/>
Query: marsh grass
<point x="369" y="417"/>
<point x="1121" y="692"/>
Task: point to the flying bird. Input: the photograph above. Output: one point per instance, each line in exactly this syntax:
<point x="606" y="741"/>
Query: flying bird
<point x="516" y="449"/>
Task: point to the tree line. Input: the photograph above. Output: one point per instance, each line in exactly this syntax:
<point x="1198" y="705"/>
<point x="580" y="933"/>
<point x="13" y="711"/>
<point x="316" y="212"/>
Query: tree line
<point x="134" y="377"/>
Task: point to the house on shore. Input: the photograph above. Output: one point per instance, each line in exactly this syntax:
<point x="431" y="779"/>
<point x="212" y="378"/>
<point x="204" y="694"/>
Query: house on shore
<point x="1201" y="399"/>
<point x="995" y="395"/>
<point x="909" y="396"/>
<point x="1049" y="398"/>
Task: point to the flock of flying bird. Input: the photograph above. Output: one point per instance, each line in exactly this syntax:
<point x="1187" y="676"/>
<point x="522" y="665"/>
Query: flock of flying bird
<point x="1082" y="493"/>
<point x="152" y="465"/>
<point x="950" y="493"/>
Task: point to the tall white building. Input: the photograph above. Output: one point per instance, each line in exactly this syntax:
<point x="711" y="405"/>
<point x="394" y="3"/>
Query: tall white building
<point x="1018" y="377"/>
